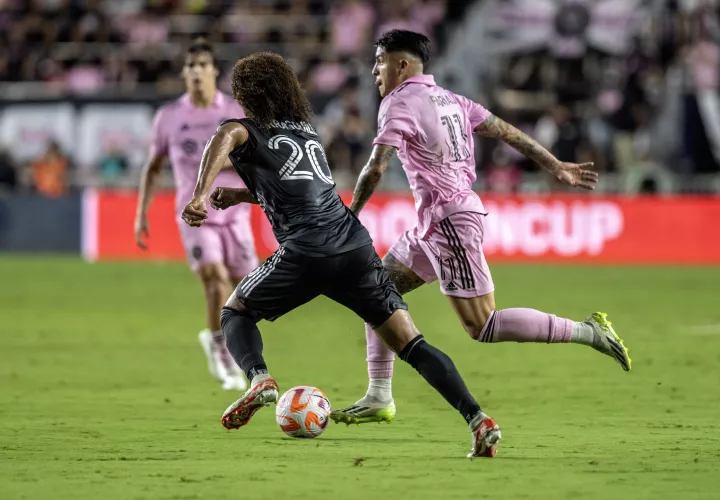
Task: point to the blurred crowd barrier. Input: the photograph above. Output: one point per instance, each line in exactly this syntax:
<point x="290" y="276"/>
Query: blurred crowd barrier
<point x="555" y="228"/>
<point x="109" y="143"/>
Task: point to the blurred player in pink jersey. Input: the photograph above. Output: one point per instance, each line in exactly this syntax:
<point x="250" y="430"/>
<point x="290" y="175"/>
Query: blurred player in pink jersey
<point x="431" y="129"/>
<point x="222" y="251"/>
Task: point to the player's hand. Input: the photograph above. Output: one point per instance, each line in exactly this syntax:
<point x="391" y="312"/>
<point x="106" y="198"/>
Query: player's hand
<point x="578" y="175"/>
<point x="141" y="230"/>
<point x="195" y="214"/>
<point x="223" y="198"/>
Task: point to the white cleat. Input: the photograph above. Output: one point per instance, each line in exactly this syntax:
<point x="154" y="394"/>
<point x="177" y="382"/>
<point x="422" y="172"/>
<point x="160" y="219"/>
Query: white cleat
<point x="220" y="363"/>
<point x="365" y="411"/>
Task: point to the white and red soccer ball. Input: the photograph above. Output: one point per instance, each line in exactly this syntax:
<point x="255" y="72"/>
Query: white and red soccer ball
<point x="303" y="412"/>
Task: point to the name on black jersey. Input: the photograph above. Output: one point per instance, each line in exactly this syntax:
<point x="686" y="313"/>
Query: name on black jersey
<point x="305" y="127"/>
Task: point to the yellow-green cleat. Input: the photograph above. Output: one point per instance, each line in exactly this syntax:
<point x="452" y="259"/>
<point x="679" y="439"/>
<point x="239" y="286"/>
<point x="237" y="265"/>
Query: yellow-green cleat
<point x="607" y="341"/>
<point x="363" y="413"/>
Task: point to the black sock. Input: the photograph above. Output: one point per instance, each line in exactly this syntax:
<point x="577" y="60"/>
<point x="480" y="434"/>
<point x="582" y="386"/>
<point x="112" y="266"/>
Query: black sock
<point x="244" y="341"/>
<point x="440" y="372"/>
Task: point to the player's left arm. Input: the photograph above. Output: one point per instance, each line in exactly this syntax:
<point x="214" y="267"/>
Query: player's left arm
<point x="370" y="176"/>
<point x="228" y="137"/>
<point x="570" y="173"/>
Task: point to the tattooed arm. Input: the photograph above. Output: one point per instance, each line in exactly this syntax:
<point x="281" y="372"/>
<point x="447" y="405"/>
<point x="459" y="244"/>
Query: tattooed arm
<point x="569" y="173"/>
<point x="371" y="175"/>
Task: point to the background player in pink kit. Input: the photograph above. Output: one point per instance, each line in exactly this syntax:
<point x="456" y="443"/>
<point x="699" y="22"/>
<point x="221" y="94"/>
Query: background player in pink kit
<point x="432" y="131"/>
<point x="221" y="252"/>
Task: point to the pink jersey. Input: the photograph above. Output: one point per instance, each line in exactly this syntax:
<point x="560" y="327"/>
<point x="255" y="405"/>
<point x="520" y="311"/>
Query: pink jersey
<point x="181" y="131"/>
<point x="432" y="128"/>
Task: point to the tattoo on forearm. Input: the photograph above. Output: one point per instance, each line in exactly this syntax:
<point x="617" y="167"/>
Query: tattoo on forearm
<point x="370" y="176"/>
<point x="499" y="129"/>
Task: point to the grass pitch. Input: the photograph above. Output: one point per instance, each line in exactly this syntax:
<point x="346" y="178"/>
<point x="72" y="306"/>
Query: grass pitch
<point x="104" y="393"/>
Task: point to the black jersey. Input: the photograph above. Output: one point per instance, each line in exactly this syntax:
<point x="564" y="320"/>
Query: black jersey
<point x="286" y="170"/>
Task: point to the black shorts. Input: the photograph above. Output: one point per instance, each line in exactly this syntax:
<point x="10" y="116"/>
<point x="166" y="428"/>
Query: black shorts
<point x="355" y="279"/>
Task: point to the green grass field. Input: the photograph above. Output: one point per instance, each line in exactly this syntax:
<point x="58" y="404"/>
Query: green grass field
<point x="104" y="393"/>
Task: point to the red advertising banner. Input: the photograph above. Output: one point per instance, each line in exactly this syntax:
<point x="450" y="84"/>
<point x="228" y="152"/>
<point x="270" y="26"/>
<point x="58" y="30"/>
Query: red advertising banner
<point x="581" y="229"/>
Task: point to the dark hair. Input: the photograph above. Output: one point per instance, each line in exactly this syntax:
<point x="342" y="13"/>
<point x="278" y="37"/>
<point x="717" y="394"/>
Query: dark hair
<point x="267" y="88"/>
<point x="414" y="43"/>
<point x="201" y="46"/>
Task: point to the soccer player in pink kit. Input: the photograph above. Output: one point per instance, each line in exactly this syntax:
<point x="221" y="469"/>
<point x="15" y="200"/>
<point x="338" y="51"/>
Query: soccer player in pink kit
<point x="221" y="252"/>
<point x="431" y="129"/>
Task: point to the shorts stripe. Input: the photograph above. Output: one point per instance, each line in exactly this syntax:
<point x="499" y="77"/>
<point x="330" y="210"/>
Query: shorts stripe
<point x="462" y="255"/>
<point x="466" y="276"/>
<point x="452" y="266"/>
<point x="255" y="277"/>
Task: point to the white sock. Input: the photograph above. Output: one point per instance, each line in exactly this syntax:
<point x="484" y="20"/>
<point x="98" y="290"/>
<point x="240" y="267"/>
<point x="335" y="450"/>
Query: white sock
<point x="477" y="420"/>
<point x="582" y="333"/>
<point x="380" y="389"/>
<point x="260" y="377"/>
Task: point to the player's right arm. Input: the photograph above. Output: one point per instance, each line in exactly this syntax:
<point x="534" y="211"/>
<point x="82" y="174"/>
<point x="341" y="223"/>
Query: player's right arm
<point x="396" y="124"/>
<point x="571" y="174"/>
<point x="370" y="176"/>
<point x="149" y="178"/>
<point x="229" y="136"/>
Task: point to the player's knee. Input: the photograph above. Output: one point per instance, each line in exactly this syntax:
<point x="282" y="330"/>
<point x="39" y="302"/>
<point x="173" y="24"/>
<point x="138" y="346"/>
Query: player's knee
<point x="215" y="278"/>
<point x="228" y="314"/>
<point x="475" y="325"/>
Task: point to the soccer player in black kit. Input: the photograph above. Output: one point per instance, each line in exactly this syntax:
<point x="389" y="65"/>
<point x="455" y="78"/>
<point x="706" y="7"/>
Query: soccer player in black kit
<point x="324" y="249"/>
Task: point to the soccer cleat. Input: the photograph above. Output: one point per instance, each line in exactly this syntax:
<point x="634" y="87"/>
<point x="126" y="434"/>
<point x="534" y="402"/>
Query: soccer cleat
<point x="485" y="438"/>
<point x="220" y="363"/>
<point x="241" y="411"/>
<point x="365" y="411"/>
<point x="607" y="341"/>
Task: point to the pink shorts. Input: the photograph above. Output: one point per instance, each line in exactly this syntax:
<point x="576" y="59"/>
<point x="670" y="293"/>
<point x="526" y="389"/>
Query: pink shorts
<point x="451" y="252"/>
<point x="231" y="244"/>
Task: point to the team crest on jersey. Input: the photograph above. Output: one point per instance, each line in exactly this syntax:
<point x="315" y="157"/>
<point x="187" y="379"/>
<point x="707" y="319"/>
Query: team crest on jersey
<point x="184" y="127"/>
<point x="190" y="146"/>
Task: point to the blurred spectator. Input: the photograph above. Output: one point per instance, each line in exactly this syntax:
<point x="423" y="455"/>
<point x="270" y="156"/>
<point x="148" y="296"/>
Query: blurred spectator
<point x="50" y="172"/>
<point x="327" y="76"/>
<point x="560" y="132"/>
<point x="702" y="60"/>
<point x="113" y="165"/>
<point x="502" y="175"/>
<point x="8" y="174"/>
<point x="352" y="22"/>
<point x="398" y="14"/>
<point x="85" y="75"/>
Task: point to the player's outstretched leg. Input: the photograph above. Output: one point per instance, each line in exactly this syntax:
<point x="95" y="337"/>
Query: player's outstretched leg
<point x="485" y="324"/>
<point x="439" y="371"/>
<point x="245" y="344"/>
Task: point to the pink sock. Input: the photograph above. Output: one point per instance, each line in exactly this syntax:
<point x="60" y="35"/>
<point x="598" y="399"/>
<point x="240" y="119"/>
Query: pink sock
<point x="519" y="324"/>
<point x="379" y="356"/>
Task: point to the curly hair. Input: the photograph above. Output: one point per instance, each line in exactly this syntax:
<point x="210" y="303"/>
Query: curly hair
<point x="267" y="88"/>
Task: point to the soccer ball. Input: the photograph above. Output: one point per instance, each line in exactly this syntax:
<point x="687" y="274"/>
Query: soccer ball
<point x="303" y="412"/>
